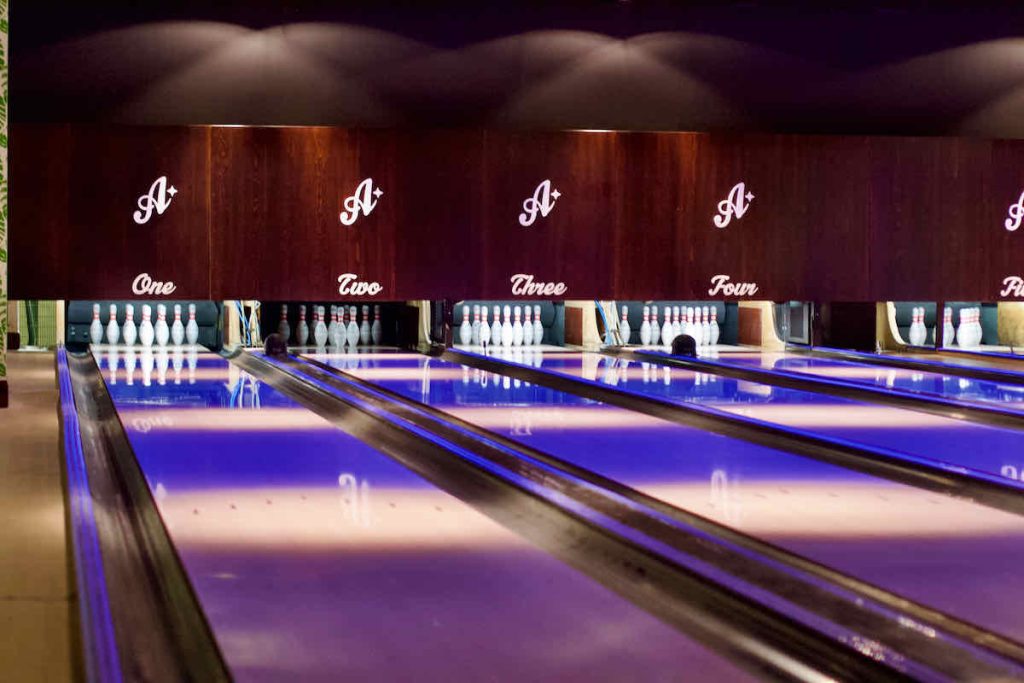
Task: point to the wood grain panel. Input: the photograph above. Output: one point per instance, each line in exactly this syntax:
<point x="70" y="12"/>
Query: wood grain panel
<point x="39" y="261"/>
<point x="109" y="169"/>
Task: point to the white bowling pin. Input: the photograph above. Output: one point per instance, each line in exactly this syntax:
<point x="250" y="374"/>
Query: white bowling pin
<point x="332" y="326"/>
<point x="713" y="326"/>
<point x="667" y="329"/>
<point x="485" y="328"/>
<point x="506" y="327"/>
<point x="496" y="327"/>
<point x="538" y="327"/>
<point x="527" y="327"/>
<point x="162" y="332"/>
<point x="474" y="330"/>
<point x="353" y="329"/>
<point x="948" y="333"/>
<point x="320" y="335"/>
<point x="655" y="327"/>
<point x="337" y="335"/>
<point x="677" y="327"/>
<point x="705" y="326"/>
<point x="376" y="331"/>
<point x="283" y="328"/>
<point x="645" y="327"/>
<point x="130" y="333"/>
<point x="146" y="329"/>
<point x="192" y="329"/>
<point x="465" y="329"/>
<point x="978" y="331"/>
<point x="96" y="327"/>
<point x="364" y="327"/>
<point x="517" y="328"/>
<point x="177" y="329"/>
<point x="302" y="328"/>
<point x="113" y="329"/>
<point x="624" y="331"/>
<point x="962" y="330"/>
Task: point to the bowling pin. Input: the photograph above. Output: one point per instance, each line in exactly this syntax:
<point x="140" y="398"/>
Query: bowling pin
<point x="146" y="328"/>
<point x="655" y="328"/>
<point x="687" y="323"/>
<point x="527" y="327"/>
<point x="130" y="333"/>
<point x="364" y="327"/>
<point x="645" y="327"/>
<point x="962" y="329"/>
<point x="283" y="328"/>
<point x="713" y="326"/>
<point x="677" y="327"/>
<point x="474" y="336"/>
<point x="485" y="329"/>
<point x="338" y="334"/>
<point x="96" y="327"/>
<point x="177" y="329"/>
<point x="353" y="329"/>
<point x="538" y="327"/>
<point x="301" y="329"/>
<point x="376" y="331"/>
<point x="332" y="326"/>
<point x="192" y="329"/>
<point x="320" y="334"/>
<point x="705" y="326"/>
<point x="978" y="331"/>
<point x="506" y="327"/>
<point x="113" y="330"/>
<point x="465" y="329"/>
<point x="624" y="331"/>
<point x="496" y="327"/>
<point x="948" y="333"/>
<point x="666" y="329"/>
<point x="517" y="328"/>
<point x="163" y="333"/>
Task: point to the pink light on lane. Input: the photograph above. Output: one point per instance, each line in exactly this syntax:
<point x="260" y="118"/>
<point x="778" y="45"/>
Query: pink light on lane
<point x="865" y="416"/>
<point x="221" y="419"/>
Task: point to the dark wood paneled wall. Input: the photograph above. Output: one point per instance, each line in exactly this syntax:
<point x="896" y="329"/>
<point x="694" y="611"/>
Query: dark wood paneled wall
<point x="257" y="213"/>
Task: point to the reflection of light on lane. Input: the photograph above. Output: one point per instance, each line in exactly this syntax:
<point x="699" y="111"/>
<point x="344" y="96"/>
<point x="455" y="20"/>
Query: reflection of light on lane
<point x="564" y="418"/>
<point x="725" y="497"/>
<point x="355" y="498"/>
<point x="299" y="517"/>
<point x="796" y="415"/>
<point x="850" y="372"/>
<point x="835" y="509"/>
<point x="221" y="419"/>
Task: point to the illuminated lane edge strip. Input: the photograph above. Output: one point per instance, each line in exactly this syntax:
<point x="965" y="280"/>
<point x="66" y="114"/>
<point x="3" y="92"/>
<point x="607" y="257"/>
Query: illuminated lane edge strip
<point x="992" y="375"/>
<point x="761" y="566"/>
<point x="981" y="487"/>
<point x="99" y="645"/>
<point x="896" y="398"/>
<point x="540" y="510"/>
<point x="161" y="633"/>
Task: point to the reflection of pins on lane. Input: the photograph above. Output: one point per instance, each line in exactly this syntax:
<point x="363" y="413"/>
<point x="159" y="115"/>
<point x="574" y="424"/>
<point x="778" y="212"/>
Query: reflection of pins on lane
<point x="177" y="362"/>
<point x="355" y="499"/>
<point x="147" y="366"/>
<point x="193" y="360"/>
<point x="724" y="496"/>
<point x="112" y="363"/>
<point x="130" y="363"/>
<point x="162" y="361"/>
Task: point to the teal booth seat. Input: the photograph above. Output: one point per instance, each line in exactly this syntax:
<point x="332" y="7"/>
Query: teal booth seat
<point x="728" y="317"/>
<point x="79" y="318"/>
<point x="552" y="316"/>
<point x="989" y="319"/>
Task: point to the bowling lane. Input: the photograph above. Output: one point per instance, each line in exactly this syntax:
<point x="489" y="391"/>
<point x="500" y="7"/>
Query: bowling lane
<point x="317" y="558"/>
<point x="1008" y="397"/>
<point x="947" y="553"/>
<point x="983" y="449"/>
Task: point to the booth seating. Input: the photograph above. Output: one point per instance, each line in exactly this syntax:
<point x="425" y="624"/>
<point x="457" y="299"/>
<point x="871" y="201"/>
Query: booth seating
<point x="208" y="317"/>
<point x="552" y="316"/>
<point x="904" y="317"/>
<point x="728" y="317"/>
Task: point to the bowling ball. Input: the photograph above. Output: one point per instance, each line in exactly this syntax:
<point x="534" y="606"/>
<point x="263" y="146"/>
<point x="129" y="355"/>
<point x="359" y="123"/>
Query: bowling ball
<point x="684" y="345"/>
<point x="275" y="345"/>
